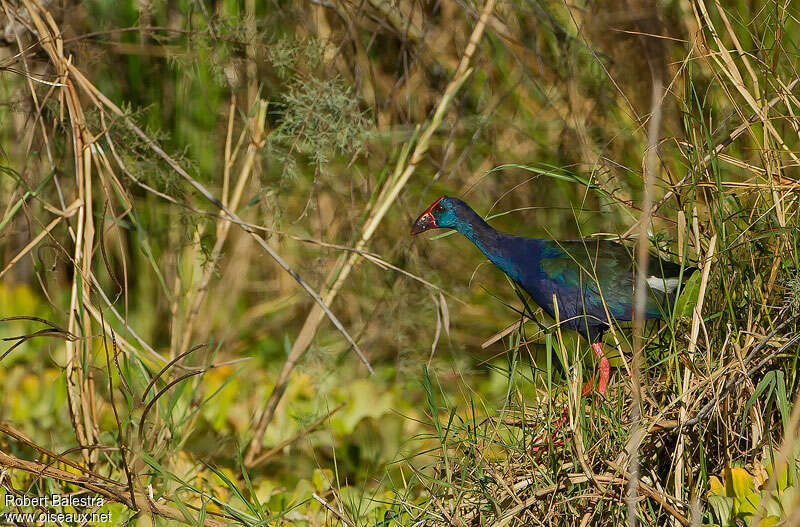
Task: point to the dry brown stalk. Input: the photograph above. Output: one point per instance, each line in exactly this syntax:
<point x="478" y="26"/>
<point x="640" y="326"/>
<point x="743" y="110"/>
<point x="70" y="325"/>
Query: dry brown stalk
<point x="664" y="501"/>
<point x="67" y="213"/>
<point x="512" y="514"/>
<point x="344" y="519"/>
<point x="650" y="166"/>
<point x="609" y="479"/>
<point x="724" y="60"/>
<point x="79" y="388"/>
<point x="697" y="315"/>
<point x="64" y="66"/>
<point x="344" y="265"/>
<point x="12" y="432"/>
<point x="738" y="131"/>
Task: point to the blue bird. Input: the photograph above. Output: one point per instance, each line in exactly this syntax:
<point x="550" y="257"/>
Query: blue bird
<point x="592" y="280"/>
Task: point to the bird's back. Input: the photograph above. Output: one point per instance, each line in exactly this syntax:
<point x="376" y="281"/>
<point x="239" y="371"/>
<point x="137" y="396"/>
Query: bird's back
<point x="590" y="278"/>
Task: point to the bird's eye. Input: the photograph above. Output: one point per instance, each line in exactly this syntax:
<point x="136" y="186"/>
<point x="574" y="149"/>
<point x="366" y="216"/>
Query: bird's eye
<point x="439" y="208"/>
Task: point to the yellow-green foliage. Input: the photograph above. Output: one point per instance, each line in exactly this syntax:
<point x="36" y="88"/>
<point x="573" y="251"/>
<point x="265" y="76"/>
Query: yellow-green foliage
<point x="738" y="494"/>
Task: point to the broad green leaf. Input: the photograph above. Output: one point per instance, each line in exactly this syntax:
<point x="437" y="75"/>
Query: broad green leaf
<point x="772" y="504"/>
<point x="723" y="510"/>
<point x="746" y="505"/>
<point x="783" y="475"/>
<point x="688" y="298"/>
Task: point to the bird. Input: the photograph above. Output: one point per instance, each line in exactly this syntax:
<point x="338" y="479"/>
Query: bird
<point x="592" y="280"/>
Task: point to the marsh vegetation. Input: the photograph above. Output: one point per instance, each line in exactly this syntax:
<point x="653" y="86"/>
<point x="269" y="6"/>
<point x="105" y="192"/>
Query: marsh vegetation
<point x="213" y="312"/>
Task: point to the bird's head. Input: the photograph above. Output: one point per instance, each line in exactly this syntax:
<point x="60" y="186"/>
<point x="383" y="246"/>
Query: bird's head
<point x="442" y="214"/>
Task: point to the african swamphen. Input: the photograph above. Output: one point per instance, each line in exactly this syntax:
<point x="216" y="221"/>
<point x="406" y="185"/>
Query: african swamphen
<point x="592" y="279"/>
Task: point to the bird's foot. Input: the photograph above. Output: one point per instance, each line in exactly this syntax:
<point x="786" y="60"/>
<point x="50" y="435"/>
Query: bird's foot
<point x="599" y="392"/>
<point x="588" y="387"/>
<point x="542" y="447"/>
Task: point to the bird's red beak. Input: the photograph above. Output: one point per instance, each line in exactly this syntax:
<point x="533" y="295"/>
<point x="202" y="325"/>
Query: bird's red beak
<point x="426" y="221"/>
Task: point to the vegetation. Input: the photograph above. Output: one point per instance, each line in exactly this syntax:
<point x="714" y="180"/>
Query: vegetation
<point x="213" y="313"/>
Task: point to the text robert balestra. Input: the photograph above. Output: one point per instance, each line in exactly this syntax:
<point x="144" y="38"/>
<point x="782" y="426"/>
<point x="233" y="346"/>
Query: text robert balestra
<point x="54" y="500"/>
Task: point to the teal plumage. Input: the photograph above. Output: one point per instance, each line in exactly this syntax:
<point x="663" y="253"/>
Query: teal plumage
<point x="604" y="270"/>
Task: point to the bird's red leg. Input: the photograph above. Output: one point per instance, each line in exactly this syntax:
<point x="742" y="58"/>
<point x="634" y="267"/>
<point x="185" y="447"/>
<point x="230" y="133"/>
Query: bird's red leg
<point x="605" y="370"/>
<point x="605" y="367"/>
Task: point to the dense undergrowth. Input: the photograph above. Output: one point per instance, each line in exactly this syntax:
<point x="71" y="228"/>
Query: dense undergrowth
<point x="161" y="161"/>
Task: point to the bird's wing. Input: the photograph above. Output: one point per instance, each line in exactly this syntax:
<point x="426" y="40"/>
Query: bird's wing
<point x="603" y="271"/>
<point x="592" y="271"/>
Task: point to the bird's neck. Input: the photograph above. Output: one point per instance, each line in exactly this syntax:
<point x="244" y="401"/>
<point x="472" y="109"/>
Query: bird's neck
<point x="471" y="225"/>
<point x="497" y="246"/>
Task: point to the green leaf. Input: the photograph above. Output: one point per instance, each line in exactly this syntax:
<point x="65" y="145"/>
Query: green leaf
<point x="715" y="487"/>
<point x="723" y="510"/>
<point x="782" y="399"/>
<point x="767" y="384"/>
<point x="322" y="479"/>
<point x="739" y="482"/>
<point x="430" y="397"/>
<point x="688" y="298"/>
<point x="746" y="505"/>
